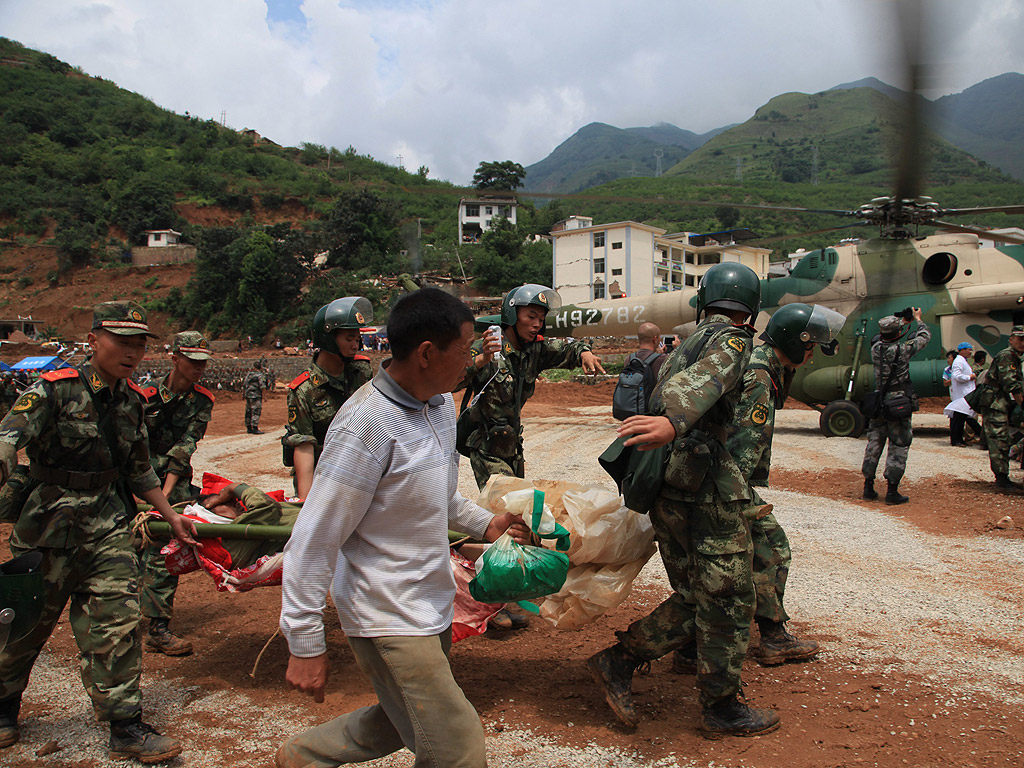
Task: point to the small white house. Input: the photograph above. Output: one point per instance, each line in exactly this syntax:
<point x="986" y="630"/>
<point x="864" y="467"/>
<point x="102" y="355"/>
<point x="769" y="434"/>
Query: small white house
<point x="476" y="214"/>
<point x="159" y="238"/>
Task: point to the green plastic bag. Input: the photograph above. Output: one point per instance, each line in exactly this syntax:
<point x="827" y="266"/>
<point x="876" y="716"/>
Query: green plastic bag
<point x="512" y="571"/>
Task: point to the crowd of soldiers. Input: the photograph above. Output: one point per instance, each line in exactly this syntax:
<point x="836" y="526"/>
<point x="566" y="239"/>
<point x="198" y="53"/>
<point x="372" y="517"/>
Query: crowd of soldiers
<point x="95" y="441"/>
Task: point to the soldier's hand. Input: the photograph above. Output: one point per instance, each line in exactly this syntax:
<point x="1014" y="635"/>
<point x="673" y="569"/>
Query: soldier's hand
<point x="308" y="675"/>
<point x="591" y="363"/>
<point x="917" y="313"/>
<point x="647" y="432"/>
<point x="184" y="529"/>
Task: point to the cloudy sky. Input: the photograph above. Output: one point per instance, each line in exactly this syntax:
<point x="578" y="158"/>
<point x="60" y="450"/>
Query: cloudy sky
<point x="449" y="83"/>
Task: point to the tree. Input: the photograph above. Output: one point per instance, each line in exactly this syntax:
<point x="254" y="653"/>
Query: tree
<point x="504" y="260"/>
<point x="362" y="232"/>
<point x="499" y="175"/>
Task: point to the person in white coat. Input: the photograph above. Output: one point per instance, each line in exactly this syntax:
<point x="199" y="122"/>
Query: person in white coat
<point x="962" y="383"/>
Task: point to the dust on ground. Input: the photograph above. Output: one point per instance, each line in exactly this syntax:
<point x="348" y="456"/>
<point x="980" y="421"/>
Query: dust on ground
<point x="866" y="700"/>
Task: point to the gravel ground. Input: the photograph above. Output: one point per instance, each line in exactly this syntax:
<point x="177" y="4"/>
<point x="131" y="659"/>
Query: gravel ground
<point x="949" y="609"/>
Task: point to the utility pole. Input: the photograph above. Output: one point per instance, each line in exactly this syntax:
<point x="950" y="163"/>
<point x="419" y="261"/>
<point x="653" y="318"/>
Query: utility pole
<point x="400" y="166"/>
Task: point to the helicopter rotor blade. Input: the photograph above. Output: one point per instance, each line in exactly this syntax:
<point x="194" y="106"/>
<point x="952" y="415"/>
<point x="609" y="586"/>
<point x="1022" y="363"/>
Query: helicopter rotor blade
<point x="1010" y="239"/>
<point x="762" y="240"/>
<point x="984" y="209"/>
<point x="911" y="25"/>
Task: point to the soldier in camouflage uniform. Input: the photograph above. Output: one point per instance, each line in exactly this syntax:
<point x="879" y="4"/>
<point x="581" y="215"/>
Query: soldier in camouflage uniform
<point x="177" y="412"/>
<point x="891" y="358"/>
<point x="85" y="436"/>
<point x="790" y="337"/>
<point x="491" y="434"/>
<point x="316" y="394"/>
<point x="999" y="400"/>
<point x="253" y="385"/>
<point x="699" y="517"/>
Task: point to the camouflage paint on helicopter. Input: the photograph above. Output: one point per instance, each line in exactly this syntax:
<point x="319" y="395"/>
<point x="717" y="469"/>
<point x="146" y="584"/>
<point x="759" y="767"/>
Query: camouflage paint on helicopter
<point x="965" y="294"/>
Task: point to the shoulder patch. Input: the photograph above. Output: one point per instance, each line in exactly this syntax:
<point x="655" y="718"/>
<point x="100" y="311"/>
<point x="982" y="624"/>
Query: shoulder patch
<point x="204" y="391"/>
<point x="298" y="380"/>
<point x="364" y="358"/>
<point x="26" y="402"/>
<point x="738" y="344"/>
<point x="293" y="414"/>
<point x="62" y="373"/>
<point x="759" y="414"/>
<point x="136" y="387"/>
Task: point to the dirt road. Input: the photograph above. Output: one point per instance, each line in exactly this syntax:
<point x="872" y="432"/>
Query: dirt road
<point x="919" y="609"/>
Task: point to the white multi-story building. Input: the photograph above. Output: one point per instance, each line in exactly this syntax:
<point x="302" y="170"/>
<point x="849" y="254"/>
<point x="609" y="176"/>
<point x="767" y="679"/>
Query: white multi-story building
<point x="627" y="258"/>
<point x="476" y="214"/>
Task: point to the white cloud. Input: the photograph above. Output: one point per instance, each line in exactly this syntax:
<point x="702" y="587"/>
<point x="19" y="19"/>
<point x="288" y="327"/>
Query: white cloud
<point x="453" y="82"/>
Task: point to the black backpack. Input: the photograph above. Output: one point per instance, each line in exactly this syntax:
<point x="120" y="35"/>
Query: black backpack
<point x="636" y="383"/>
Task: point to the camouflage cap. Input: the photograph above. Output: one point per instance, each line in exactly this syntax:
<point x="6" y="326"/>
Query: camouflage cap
<point x="890" y="326"/>
<point x="192" y="345"/>
<point x="124" y="318"/>
<point x="1017" y="330"/>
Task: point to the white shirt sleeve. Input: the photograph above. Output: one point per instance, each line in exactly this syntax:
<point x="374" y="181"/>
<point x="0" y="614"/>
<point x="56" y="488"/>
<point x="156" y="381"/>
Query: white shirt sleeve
<point x="961" y="370"/>
<point x="343" y="487"/>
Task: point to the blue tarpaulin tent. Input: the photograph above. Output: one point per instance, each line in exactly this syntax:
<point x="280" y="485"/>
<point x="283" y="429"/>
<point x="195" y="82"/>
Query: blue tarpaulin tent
<point x="51" y="363"/>
<point x="4" y="367"/>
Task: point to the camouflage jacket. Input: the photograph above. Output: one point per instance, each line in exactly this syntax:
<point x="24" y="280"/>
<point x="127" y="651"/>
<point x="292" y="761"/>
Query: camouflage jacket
<point x="253" y="385"/>
<point x="515" y="380"/>
<point x="700" y="401"/>
<point x="313" y="399"/>
<point x="1002" y="381"/>
<point x="175" y="423"/>
<point x="884" y="354"/>
<point x="751" y="432"/>
<point x="57" y="423"/>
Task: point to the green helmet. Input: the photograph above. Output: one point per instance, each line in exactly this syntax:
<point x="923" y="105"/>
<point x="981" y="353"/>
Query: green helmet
<point x="537" y="295"/>
<point x="349" y="312"/>
<point x="729" y="286"/>
<point x="21" y="596"/>
<point x="794" y="326"/>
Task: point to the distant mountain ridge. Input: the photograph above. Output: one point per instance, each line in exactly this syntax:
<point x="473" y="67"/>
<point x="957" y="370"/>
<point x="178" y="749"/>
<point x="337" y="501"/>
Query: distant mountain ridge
<point x="852" y="125"/>
<point x="598" y="153"/>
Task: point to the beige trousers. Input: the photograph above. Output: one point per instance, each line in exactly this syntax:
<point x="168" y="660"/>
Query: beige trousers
<point x="420" y="706"/>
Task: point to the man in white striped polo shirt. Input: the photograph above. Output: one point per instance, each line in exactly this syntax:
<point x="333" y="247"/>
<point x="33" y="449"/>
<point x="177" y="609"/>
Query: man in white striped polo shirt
<point x="374" y="530"/>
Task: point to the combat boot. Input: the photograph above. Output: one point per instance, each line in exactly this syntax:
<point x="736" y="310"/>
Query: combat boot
<point x="162" y="640"/>
<point x="869" y="489"/>
<point x="9" y="733"/>
<point x="779" y="646"/>
<point x="135" y="739"/>
<point x="732" y="717"/>
<point x="1006" y="485"/>
<point x="612" y="669"/>
<point x="893" y="495"/>
<point x="684" y="661"/>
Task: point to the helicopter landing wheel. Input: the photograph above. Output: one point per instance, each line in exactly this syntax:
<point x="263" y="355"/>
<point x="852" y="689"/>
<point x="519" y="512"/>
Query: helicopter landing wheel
<point x="841" y="418"/>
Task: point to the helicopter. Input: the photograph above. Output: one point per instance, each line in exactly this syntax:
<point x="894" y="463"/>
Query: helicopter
<point x="965" y="291"/>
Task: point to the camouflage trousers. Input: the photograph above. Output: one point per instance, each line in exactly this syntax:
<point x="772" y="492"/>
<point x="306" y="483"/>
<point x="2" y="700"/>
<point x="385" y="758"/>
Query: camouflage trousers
<point x="156" y="584"/>
<point x="101" y="580"/>
<point x="997" y="436"/>
<point x="253" y="410"/>
<point x="900" y="435"/>
<point x="484" y="465"/>
<point x="708" y="555"/>
<point x="772" y="557"/>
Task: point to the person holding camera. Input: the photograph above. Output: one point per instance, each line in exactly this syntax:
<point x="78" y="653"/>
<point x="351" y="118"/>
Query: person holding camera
<point x="891" y="355"/>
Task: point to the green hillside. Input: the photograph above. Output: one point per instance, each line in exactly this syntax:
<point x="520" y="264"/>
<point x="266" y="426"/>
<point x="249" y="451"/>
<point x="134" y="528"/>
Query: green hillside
<point x="987" y="120"/>
<point x="598" y="153"/>
<point x="855" y="132"/>
<point x="87" y="167"/>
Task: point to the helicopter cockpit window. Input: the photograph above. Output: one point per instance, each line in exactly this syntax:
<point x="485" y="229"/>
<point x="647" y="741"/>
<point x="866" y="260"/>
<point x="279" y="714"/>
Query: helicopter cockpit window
<point x="939" y="268"/>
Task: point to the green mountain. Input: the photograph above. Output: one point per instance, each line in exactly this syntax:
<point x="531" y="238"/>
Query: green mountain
<point x="598" y="153"/>
<point x="844" y="135"/>
<point x="987" y="120"/>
